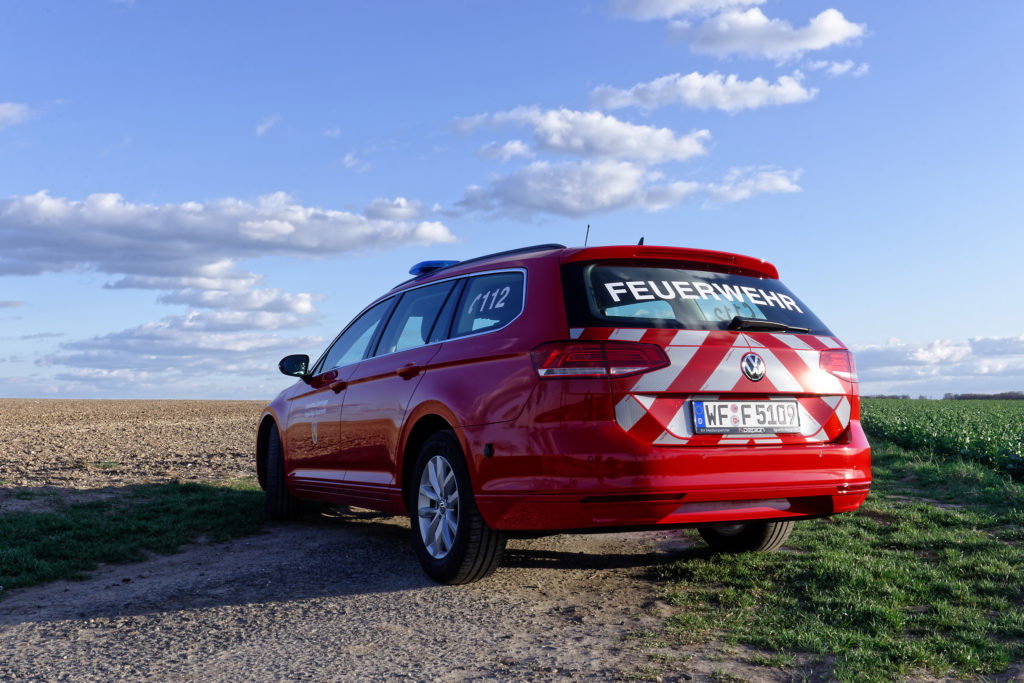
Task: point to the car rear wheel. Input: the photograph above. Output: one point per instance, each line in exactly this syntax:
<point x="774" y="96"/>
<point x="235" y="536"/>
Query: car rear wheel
<point x="452" y="541"/>
<point x="279" y="502"/>
<point x="738" y="538"/>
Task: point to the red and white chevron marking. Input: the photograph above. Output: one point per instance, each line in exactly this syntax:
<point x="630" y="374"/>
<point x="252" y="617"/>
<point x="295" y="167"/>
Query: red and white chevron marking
<point x="656" y="407"/>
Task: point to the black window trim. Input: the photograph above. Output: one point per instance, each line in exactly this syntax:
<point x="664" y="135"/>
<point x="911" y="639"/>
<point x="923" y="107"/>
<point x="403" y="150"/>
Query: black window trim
<point x="467" y="276"/>
<point x="395" y="296"/>
<point x="454" y="297"/>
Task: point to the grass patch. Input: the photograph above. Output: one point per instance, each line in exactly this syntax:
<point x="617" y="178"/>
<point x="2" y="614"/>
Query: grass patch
<point x="72" y="540"/>
<point x="925" y="577"/>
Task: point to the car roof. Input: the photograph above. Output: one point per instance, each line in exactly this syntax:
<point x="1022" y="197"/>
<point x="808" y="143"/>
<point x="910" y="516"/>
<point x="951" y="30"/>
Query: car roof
<point x="562" y="254"/>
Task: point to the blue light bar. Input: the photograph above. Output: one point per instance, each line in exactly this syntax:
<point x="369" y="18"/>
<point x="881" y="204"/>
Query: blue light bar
<point x="424" y="267"/>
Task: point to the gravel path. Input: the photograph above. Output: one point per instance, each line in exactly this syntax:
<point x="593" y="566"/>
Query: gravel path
<point x="336" y="596"/>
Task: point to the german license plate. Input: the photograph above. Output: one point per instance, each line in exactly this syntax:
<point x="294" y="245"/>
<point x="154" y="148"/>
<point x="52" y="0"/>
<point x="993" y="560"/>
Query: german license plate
<point x="746" y="417"/>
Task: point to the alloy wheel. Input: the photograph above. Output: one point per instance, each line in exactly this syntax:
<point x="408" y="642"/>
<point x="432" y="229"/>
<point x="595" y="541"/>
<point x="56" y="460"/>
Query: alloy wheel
<point x="438" y="507"/>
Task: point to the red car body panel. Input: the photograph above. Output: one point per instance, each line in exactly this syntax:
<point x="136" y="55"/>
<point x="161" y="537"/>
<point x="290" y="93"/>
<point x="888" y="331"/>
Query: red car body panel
<point x="582" y="452"/>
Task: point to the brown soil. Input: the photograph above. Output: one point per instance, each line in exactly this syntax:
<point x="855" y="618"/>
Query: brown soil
<point x="336" y="596"/>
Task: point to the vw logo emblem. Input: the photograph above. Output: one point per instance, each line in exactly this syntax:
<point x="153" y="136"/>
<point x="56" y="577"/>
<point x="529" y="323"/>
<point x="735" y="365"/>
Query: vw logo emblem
<point x="753" y="367"/>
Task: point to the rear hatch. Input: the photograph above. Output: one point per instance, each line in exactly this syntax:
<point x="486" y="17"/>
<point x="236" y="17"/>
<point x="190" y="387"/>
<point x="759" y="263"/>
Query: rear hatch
<point x="744" y="362"/>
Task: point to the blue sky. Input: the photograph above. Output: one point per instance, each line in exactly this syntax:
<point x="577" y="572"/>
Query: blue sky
<point x="191" y="190"/>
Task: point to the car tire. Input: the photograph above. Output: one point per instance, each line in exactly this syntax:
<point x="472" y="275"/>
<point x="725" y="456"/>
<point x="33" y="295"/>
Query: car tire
<point x="279" y="503"/>
<point x="751" y="536"/>
<point x="451" y="538"/>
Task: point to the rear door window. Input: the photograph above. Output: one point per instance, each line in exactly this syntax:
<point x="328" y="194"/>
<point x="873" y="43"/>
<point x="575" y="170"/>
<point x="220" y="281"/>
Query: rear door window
<point x="489" y="302"/>
<point x="414" y="318"/>
<point x="629" y="295"/>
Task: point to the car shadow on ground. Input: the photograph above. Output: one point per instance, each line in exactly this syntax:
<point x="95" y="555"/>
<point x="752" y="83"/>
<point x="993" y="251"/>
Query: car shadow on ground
<point x="330" y="551"/>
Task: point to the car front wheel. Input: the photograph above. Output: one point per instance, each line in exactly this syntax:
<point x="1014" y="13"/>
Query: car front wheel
<point x="738" y="538"/>
<point x="279" y="502"/>
<point x="453" y="542"/>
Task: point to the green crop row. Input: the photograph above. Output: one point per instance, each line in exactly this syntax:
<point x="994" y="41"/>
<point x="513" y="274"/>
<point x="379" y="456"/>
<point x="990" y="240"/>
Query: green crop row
<point x="991" y="432"/>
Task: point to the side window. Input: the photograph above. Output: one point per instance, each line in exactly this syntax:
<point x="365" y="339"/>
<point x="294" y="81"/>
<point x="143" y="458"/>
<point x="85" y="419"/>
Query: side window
<point x="351" y="346"/>
<point x="414" y="318"/>
<point x="489" y="302"/>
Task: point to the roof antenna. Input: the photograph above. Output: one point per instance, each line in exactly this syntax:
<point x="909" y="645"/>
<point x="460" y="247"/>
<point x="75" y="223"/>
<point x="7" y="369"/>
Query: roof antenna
<point x="587" y="237"/>
<point x="640" y="243"/>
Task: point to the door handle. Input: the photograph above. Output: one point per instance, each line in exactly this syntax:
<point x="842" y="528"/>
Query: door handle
<point x="339" y="386"/>
<point x="409" y="370"/>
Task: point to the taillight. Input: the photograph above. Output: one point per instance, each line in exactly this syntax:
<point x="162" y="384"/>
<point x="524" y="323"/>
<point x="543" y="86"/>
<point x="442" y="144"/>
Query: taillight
<point x="625" y="358"/>
<point x="839" y="362"/>
<point x="597" y="359"/>
<point x="569" y="359"/>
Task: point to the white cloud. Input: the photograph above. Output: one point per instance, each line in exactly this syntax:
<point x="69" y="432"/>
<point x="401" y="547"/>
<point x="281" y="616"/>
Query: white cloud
<point x="12" y="113"/>
<point x="505" y="152"/>
<point x="398" y="209"/>
<point x="980" y="364"/>
<point x="751" y="34"/>
<point x="262" y="300"/>
<point x="706" y="91"/>
<point x="220" y="275"/>
<point x="744" y="183"/>
<point x="332" y="132"/>
<point x="191" y="241"/>
<point x="190" y="251"/>
<point x="175" y="341"/>
<point x="266" y="229"/>
<point x="11" y="304"/>
<point x="571" y="189"/>
<point x="197" y="355"/>
<point x="646" y="10"/>
<point x="585" y="187"/>
<point x="352" y="162"/>
<point x="597" y="136"/>
<point x="840" y="68"/>
<point x="998" y="346"/>
<point x="266" y="123"/>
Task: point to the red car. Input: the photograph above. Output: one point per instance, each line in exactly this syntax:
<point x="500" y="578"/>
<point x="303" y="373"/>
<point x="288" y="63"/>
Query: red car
<point x="553" y="388"/>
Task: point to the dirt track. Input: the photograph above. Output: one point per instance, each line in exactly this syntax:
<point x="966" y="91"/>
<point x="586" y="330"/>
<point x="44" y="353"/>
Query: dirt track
<point x="336" y="596"/>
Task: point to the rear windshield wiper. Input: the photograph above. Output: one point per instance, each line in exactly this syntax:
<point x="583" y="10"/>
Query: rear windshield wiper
<point x="741" y="323"/>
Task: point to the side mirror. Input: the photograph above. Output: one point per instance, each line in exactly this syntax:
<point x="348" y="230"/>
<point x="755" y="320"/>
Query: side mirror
<point x="295" y="366"/>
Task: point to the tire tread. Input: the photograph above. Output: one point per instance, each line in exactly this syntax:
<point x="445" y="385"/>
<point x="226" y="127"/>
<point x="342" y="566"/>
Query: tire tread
<point x="754" y="537"/>
<point x="279" y="503"/>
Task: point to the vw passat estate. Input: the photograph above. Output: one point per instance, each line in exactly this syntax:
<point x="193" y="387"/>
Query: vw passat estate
<point x="553" y="388"/>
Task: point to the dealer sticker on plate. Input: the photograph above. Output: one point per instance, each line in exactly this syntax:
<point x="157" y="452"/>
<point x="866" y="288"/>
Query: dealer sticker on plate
<point x="746" y="417"/>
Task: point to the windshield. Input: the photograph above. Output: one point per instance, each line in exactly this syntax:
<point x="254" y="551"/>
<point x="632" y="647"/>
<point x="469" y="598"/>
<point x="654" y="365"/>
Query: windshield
<point x="611" y="295"/>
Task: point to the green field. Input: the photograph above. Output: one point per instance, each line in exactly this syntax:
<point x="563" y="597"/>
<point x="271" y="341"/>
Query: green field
<point x="925" y="580"/>
<point x="991" y="432"/>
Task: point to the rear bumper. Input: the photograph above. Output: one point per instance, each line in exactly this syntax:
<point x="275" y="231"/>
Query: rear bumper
<point x="598" y="477"/>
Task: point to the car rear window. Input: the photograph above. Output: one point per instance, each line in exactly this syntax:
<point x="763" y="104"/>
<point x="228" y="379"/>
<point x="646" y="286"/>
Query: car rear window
<point x="630" y="295"/>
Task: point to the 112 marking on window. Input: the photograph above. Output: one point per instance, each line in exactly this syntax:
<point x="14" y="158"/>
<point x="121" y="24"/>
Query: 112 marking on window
<point x="490" y="299"/>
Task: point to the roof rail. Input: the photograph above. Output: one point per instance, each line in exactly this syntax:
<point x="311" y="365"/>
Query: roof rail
<point x="510" y="252"/>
